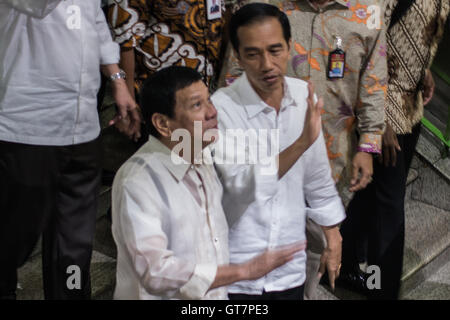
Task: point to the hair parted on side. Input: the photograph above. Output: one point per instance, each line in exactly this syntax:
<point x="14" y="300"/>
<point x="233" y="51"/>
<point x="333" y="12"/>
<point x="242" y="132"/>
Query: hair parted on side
<point x="257" y="12"/>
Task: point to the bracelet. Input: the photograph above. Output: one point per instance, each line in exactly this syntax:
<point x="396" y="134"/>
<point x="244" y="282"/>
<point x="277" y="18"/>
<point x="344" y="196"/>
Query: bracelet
<point x="119" y="75"/>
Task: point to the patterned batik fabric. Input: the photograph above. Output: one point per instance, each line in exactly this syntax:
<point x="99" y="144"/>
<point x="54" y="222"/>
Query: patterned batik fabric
<point x="411" y="46"/>
<point x="167" y="33"/>
<point x="353" y="115"/>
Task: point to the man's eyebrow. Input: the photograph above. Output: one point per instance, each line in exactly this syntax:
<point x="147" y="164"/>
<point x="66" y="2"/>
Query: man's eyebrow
<point x="276" y="46"/>
<point x="271" y="47"/>
<point x="246" y="49"/>
<point x="194" y="96"/>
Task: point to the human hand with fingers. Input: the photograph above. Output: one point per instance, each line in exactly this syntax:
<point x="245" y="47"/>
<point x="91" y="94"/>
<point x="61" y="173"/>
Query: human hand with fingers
<point x="390" y="148"/>
<point x="313" y="119"/>
<point x="362" y="170"/>
<point x="270" y="260"/>
<point x="128" y="118"/>
<point x="330" y="260"/>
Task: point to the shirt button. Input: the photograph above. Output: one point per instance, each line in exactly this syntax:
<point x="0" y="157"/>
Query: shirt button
<point x="216" y="240"/>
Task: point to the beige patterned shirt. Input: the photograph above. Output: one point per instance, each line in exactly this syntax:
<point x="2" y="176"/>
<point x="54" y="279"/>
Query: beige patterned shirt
<point x="353" y="117"/>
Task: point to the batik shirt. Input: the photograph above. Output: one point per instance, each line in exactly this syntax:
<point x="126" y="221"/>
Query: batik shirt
<point x="412" y="44"/>
<point x="169" y="32"/>
<point x="353" y="115"/>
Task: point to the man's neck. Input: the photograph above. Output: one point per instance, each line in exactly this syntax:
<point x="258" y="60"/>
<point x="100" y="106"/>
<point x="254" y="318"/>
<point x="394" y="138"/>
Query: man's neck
<point x="273" y="98"/>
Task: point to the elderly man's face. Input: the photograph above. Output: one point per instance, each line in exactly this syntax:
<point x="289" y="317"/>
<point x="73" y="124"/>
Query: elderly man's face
<point x="193" y="104"/>
<point x="263" y="54"/>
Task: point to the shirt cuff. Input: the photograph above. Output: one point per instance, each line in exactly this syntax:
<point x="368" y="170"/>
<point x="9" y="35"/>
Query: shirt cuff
<point x="370" y="143"/>
<point x="329" y="214"/>
<point x="200" y="282"/>
<point x="109" y="53"/>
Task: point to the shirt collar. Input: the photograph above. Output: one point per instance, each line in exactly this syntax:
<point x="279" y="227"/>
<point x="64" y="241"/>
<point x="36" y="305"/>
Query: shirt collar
<point x="252" y="102"/>
<point x="179" y="167"/>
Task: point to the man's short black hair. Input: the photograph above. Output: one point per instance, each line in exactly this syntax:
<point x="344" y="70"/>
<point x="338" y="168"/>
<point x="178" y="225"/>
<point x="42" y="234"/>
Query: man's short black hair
<point x="257" y="12"/>
<point x="158" y="94"/>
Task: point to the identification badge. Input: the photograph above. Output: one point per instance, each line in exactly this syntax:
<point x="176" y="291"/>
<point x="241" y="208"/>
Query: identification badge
<point x="182" y="7"/>
<point x="336" y="61"/>
<point x="214" y="8"/>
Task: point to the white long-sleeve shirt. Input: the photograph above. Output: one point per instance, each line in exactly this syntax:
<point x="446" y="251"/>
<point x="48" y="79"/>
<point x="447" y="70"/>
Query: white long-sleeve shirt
<point x="169" y="227"/>
<point x="263" y="211"/>
<point x="50" y="57"/>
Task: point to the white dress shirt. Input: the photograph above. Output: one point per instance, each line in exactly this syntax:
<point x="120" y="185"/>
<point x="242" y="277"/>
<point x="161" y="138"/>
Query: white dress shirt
<point x="262" y="211"/>
<point x="50" y="57"/>
<point x="169" y="227"/>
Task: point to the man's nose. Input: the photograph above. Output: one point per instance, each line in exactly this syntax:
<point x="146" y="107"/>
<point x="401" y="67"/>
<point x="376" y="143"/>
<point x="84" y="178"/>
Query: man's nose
<point x="211" y="112"/>
<point x="266" y="62"/>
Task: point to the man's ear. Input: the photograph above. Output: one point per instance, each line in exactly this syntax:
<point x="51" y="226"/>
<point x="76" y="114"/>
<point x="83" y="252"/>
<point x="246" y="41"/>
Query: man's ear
<point x="161" y="124"/>
<point x="290" y="44"/>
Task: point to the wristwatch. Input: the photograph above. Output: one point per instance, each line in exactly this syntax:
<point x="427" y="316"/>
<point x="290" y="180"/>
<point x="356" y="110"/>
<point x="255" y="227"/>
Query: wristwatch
<point x="119" y="75"/>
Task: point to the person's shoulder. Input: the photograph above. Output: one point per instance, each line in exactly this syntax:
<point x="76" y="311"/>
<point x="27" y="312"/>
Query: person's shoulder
<point x="227" y="91"/>
<point x="226" y="96"/>
<point x="137" y="166"/>
<point x="296" y="85"/>
<point x="296" y="82"/>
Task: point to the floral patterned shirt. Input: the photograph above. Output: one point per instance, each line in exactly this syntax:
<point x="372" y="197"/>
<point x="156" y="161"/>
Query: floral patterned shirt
<point x="353" y="115"/>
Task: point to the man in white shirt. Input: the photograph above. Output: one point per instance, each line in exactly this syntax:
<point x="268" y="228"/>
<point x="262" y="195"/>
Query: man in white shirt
<point x="267" y="209"/>
<point x="51" y="53"/>
<point x="168" y="222"/>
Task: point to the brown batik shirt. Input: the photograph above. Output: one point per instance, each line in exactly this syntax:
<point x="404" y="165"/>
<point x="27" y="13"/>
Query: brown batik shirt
<point x="411" y="46"/>
<point x="169" y="32"/>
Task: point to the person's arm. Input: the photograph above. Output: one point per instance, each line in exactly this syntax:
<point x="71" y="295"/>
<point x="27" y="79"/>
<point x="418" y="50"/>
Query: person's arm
<point x="109" y="59"/>
<point x="330" y="259"/>
<point x="35" y="8"/>
<point x="137" y="222"/>
<point x="244" y="183"/>
<point x="127" y="63"/>
<point x="370" y="111"/>
<point x="256" y="267"/>
<point x="127" y="108"/>
<point x="324" y="205"/>
<point x="311" y="130"/>
<point x="138" y="218"/>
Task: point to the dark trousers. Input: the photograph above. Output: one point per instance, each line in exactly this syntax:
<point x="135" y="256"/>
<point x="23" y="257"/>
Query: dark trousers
<point x="290" y="294"/>
<point x="48" y="190"/>
<point x="378" y="214"/>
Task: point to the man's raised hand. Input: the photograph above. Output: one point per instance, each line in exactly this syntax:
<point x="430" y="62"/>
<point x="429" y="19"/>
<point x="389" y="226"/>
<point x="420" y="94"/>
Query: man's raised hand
<point x="313" y="118"/>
